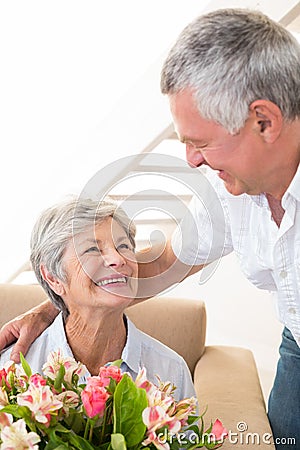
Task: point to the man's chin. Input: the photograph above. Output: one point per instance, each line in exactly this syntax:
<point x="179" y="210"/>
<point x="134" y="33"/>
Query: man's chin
<point x="234" y="189"/>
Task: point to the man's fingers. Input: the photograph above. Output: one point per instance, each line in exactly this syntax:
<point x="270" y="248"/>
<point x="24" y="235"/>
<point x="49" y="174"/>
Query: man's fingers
<point x="20" y="346"/>
<point x="11" y="333"/>
<point x="7" y="336"/>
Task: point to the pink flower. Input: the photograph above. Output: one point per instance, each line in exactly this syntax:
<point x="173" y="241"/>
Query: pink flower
<point x="155" y="417"/>
<point x="5" y="420"/>
<point x="94" y="397"/>
<point x="160" y="443"/>
<point x="69" y="399"/>
<point x="219" y="431"/>
<point x="10" y="366"/>
<point x="16" y="437"/>
<point x="3" y="375"/>
<point x="166" y="386"/>
<point x="41" y="401"/>
<point x="185" y="408"/>
<point x="108" y="372"/>
<point x="3" y="397"/>
<point x="156" y="396"/>
<point x="142" y="382"/>
<point x="37" y="380"/>
<point x="94" y="382"/>
<point x="56" y="360"/>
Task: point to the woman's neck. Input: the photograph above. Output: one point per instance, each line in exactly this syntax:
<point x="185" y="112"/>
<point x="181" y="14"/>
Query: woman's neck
<point x="96" y="341"/>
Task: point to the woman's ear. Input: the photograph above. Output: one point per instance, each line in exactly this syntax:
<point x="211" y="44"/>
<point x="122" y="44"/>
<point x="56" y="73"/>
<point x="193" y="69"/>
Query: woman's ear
<point x="55" y="284"/>
<point x="268" y="119"/>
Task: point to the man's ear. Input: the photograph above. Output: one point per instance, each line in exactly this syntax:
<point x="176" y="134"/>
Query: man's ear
<point x="55" y="284"/>
<point x="268" y="119"/>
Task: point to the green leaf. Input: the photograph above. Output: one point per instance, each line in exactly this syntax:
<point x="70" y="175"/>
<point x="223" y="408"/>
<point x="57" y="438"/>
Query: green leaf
<point x="118" y="442"/>
<point x="25" y="365"/>
<point x="17" y="411"/>
<point x="79" y="442"/>
<point x="112" y="386"/>
<point x="55" y="442"/>
<point x="74" y="421"/>
<point x="192" y="419"/>
<point x="117" y="363"/>
<point x="67" y="440"/>
<point x="106" y="446"/>
<point x="59" y="378"/>
<point x="129" y="403"/>
<point x="54" y="446"/>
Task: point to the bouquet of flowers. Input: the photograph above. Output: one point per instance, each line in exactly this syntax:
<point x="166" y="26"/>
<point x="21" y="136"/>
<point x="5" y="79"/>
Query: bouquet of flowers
<point x="110" y="411"/>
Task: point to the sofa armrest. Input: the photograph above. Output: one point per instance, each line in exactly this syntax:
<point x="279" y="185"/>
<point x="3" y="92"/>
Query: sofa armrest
<point x="226" y="380"/>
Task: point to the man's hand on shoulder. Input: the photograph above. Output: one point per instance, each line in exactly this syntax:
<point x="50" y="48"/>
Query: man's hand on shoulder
<point x="24" y="329"/>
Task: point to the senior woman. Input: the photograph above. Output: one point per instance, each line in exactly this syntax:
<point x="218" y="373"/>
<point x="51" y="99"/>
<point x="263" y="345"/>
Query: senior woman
<point x="82" y="254"/>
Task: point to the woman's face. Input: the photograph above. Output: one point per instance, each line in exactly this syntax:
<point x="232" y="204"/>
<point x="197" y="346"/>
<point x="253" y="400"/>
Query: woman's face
<point x="101" y="268"/>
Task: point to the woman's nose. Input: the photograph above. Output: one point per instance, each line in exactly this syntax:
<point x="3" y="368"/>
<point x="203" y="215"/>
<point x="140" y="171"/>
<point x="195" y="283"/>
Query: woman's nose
<point x="112" y="258"/>
<point x="194" y="156"/>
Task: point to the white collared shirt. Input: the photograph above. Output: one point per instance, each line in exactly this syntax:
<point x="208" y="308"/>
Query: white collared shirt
<point x="140" y="351"/>
<point x="269" y="256"/>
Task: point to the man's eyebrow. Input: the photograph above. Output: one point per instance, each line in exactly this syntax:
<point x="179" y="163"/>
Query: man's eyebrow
<point x="187" y="140"/>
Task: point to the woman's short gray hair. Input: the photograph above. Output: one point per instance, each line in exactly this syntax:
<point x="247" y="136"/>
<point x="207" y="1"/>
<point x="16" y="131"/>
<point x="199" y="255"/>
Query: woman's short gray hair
<point x="230" y="58"/>
<point x="58" y="224"/>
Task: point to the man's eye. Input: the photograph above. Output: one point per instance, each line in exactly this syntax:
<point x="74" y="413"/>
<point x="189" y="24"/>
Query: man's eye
<point x="200" y="147"/>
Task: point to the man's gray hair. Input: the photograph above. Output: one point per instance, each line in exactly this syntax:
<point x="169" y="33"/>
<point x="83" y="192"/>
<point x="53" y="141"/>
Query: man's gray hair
<point x="230" y="58"/>
<point x="57" y="225"/>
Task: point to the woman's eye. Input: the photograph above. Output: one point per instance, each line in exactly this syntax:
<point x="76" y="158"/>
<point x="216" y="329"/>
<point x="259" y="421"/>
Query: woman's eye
<point x="92" y="249"/>
<point x="125" y="247"/>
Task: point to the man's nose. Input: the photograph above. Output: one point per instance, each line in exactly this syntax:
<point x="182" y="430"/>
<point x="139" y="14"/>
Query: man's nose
<point x="112" y="258"/>
<point x="194" y="156"/>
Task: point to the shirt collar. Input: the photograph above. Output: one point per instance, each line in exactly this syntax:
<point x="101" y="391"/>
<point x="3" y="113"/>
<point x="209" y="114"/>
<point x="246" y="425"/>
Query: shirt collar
<point x="260" y="200"/>
<point x="131" y="354"/>
<point x="293" y="190"/>
<point x="294" y="187"/>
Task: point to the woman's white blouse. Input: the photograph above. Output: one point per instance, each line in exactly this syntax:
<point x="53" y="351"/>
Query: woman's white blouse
<point x="140" y="351"/>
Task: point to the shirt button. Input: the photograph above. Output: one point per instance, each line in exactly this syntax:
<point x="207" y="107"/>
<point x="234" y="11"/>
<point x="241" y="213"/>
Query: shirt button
<point x="292" y="310"/>
<point x="283" y="274"/>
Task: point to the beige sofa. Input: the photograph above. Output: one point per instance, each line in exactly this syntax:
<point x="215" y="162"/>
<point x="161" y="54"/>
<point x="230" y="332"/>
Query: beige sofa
<point x="225" y="378"/>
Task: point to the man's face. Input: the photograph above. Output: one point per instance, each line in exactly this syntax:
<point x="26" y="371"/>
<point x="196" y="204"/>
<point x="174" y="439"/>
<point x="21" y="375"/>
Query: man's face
<point x="241" y="160"/>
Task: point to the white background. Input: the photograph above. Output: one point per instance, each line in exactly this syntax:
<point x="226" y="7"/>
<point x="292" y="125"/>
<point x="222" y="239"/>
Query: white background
<point x="64" y="65"/>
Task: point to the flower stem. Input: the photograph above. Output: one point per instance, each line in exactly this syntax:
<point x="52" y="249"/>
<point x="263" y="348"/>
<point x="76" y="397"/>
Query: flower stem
<point x="104" y="423"/>
<point x="91" y="431"/>
<point x="86" y="430"/>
